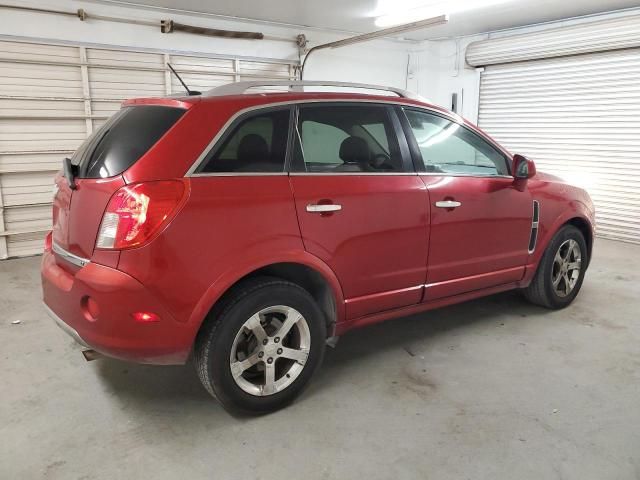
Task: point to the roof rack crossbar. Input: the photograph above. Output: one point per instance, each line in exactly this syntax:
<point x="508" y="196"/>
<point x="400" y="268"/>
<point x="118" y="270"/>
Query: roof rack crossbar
<point x="238" y="88"/>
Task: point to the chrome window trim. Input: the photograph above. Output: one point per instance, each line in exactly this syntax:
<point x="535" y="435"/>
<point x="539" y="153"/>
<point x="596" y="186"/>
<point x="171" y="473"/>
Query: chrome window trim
<point x="357" y="174"/>
<point x="240" y="174"/>
<point x="473" y="175"/>
<point x="450" y="116"/>
<point x="69" y="257"/>
<point x="196" y="164"/>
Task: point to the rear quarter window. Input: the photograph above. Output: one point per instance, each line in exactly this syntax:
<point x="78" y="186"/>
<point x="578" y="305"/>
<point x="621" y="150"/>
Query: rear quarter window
<point x="123" y="139"/>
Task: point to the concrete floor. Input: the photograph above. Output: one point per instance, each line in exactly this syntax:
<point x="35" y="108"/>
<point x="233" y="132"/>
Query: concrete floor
<point x="491" y="389"/>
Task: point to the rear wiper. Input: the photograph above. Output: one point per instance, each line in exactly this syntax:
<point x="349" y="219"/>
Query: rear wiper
<point x="69" y="171"/>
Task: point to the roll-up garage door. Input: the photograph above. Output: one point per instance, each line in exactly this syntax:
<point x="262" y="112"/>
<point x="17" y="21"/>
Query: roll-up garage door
<point x="53" y="96"/>
<point x="578" y="117"/>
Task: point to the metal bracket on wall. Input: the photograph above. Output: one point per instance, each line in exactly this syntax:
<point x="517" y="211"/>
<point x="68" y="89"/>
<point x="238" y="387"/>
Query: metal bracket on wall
<point x="365" y="37"/>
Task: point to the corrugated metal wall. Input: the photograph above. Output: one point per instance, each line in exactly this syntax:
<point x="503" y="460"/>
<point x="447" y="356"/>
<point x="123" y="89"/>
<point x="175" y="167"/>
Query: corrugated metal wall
<point x="53" y="96"/>
<point x="578" y="117"/>
<point x="569" y="98"/>
<point x="589" y="37"/>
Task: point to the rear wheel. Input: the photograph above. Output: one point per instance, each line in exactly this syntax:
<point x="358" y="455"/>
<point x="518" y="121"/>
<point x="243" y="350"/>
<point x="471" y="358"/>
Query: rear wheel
<point x="561" y="270"/>
<point x="263" y="347"/>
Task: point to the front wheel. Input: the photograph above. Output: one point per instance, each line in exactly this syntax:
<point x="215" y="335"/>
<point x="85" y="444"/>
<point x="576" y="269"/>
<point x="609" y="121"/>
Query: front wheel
<point x="561" y="270"/>
<point x="258" y="354"/>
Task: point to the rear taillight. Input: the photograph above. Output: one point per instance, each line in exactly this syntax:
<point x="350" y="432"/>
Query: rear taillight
<point x="138" y="211"/>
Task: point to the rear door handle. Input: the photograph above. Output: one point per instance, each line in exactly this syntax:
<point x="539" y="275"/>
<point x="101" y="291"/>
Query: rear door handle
<point x="448" y="204"/>
<point x="323" y="208"/>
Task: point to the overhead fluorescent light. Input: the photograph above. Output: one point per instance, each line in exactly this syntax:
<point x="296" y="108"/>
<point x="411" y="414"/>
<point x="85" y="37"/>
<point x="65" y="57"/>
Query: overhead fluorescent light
<point x="396" y="12"/>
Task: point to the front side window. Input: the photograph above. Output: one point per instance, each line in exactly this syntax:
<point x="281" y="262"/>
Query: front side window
<point x="448" y="147"/>
<point x="346" y="138"/>
<point x="257" y="143"/>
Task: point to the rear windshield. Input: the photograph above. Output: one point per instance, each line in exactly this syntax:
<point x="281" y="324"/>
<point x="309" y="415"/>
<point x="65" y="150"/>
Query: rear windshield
<point x="123" y="139"/>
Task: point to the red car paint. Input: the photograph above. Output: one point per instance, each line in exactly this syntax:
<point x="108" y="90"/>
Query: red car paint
<point x="388" y="253"/>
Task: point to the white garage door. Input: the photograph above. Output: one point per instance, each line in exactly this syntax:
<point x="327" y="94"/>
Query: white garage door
<point x="53" y="96"/>
<point x="578" y="117"/>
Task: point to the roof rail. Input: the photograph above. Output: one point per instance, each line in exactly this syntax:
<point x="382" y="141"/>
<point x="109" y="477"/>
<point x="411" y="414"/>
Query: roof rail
<point x="239" y="88"/>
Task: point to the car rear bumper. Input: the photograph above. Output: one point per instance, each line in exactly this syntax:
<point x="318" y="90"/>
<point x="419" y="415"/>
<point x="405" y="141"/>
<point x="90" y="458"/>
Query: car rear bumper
<point x="107" y="325"/>
<point x="64" y="327"/>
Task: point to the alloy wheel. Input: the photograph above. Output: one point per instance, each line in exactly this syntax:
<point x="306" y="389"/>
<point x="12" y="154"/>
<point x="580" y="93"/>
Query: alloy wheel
<point x="566" y="268"/>
<point x="270" y="350"/>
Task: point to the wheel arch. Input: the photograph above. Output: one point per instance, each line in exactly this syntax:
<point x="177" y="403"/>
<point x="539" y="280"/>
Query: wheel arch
<point x="309" y="279"/>
<point x="585" y="228"/>
<point x="575" y="218"/>
<point x="305" y="270"/>
<point x="575" y="213"/>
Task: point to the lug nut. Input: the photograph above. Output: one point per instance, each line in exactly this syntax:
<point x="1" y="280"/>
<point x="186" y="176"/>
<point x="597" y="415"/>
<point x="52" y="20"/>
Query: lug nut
<point x="269" y="360"/>
<point x="279" y="351"/>
<point x="260" y="354"/>
<point x="265" y="341"/>
<point x="277" y="339"/>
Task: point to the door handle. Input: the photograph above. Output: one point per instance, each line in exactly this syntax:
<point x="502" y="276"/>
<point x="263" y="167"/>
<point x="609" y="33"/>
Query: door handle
<point x="323" y="208"/>
<point x="448" y="204"/>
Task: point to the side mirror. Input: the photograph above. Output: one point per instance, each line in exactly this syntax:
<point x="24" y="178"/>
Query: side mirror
<point x="523" y="168"/>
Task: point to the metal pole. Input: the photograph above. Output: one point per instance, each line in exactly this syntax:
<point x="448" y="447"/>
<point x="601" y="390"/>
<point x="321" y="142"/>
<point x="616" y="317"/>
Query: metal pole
<point x="428" y="22"/>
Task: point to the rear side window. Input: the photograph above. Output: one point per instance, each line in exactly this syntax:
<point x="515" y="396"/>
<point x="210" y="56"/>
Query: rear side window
<point x="123" y="139"/>
<point x="256" y="143"/>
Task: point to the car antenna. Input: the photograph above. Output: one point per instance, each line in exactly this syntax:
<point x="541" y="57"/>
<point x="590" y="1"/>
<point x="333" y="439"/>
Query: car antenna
<point x="189" y="92"/>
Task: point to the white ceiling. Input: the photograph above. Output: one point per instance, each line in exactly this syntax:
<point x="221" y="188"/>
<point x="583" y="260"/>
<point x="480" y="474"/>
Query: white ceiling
<point x="358" y="15"/>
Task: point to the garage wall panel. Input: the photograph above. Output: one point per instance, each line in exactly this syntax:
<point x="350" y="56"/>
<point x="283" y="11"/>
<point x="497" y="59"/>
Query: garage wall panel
<point x="31" y="219"/>
<point x="589" y="37"/>
<point x="263" y="70"/>
<point x="577" y="117"/>
<point x="26" y="189"/>
<point x="41" y="81"/>
<point x="30" y="162"/>
<point x="41" y="134"/>
<point x="53" y="96"/>
<point x="23" y="244"/>
<point x="125" y="59"/>
<point x="199" y="81"/>
<point x="203" y="65"/>
<point x="38" y="52"/>
<point x="105" y="108"/>
<point x="110" y="83"/>
<point x="38" y="108"/>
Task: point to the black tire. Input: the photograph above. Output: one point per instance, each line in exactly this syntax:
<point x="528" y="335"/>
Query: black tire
<point x="215" y="341"/>
<point x="541" y="291"/>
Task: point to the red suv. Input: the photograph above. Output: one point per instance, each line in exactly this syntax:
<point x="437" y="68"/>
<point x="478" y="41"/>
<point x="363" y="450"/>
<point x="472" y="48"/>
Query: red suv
<point x="248" y="229"/>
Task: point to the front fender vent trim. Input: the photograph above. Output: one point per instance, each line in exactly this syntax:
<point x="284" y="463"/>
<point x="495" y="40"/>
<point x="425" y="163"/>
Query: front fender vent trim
<point x="535" y="221"/>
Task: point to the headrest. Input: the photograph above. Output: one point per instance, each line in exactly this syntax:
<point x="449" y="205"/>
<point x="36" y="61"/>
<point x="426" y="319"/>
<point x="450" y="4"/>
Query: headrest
<point x="355" y="150"/>
<point x="253" y="148"/>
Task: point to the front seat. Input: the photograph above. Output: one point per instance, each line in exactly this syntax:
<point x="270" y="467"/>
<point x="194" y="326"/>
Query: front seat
<point x="253" y="151"/>
<point x="356" y="155"/>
